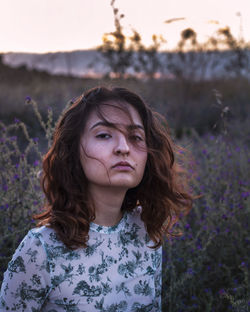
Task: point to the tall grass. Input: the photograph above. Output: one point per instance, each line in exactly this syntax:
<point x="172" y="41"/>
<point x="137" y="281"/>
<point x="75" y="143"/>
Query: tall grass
<point x="206" y="269"/>
<point x="186" y="103"/>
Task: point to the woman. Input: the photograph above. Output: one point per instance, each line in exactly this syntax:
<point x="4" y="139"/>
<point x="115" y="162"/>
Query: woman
<point x="111" y="184"/>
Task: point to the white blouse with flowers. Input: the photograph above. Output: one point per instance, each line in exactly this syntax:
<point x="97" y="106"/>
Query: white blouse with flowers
<point x="117" y="272"/>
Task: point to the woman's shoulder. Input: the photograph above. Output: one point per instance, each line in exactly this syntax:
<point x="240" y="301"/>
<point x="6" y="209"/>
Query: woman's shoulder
<point x="32" y="249"/>
<point x="46" y="238"/>
<point x="43" y="236"/>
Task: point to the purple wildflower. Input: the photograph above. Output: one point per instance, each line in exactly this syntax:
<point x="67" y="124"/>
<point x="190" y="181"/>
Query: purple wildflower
<point x="36" y="163"/>
<point x="190" y="271"/>
<point x="16" y="120"/>
<point x="199" y="247"/>
<point x="16" y="176"/>
<point x="28" y="99"/>
<point x="245" y="195"/>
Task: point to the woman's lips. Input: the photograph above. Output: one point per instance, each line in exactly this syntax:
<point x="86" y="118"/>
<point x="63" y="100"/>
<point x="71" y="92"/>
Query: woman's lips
<point x="123" y="166"/>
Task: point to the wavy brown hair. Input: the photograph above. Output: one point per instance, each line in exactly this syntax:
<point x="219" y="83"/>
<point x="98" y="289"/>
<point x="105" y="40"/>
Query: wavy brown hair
<point x="161" y="193"/>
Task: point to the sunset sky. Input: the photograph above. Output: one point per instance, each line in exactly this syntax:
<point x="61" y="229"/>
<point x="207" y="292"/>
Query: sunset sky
<point x="63" y="25"/>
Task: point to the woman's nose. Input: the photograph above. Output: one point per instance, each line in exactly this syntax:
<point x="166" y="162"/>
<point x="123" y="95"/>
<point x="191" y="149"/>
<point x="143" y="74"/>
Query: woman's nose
<point x="122" y="146"/>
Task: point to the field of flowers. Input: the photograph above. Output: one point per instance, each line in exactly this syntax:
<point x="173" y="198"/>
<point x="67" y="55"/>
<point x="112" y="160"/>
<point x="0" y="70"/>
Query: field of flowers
<point x="205" y="269"/>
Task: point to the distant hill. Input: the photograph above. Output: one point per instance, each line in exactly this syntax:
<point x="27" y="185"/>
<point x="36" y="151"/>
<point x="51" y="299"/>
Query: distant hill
<point x="75" y="63"/>
<point x="91" y="63"/>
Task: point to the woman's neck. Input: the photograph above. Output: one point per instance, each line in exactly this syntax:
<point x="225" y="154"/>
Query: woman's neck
<point x="107" y="203"/>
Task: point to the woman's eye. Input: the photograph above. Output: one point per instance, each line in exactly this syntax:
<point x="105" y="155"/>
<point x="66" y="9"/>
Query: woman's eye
<point x="103" y="136"/>
<point x="136" y="138"/>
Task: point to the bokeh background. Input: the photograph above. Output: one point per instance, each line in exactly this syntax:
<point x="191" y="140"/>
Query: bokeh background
<point x="190" y="60"/>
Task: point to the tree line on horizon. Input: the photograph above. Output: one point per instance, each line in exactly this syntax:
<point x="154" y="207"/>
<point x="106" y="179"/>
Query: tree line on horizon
<point x="122" y="52"/>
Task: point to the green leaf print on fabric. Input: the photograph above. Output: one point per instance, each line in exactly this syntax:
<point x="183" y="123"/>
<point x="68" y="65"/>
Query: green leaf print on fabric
<point x="158" y="281"/>
<point x="32" y="254"/>
<point x="36" y="280"/>
<point x="67" y="305"/>
<point x="150" y="271"/>
<point x="143" y="288"/>
<point x="56" y="252"/>
<point x="81" y="269"/>
<point x="38" y="236"/>
<point x="130" y="237"/>
<point x="106" y="289"/>
<point x="156" y="259"/>
<point x="91" y="249"/>
<point x="115" y="307"/>
<point x="97" y="270"/>
<point x="27" y="293"/>
<point x="66" y="276"/>
<point x="138" y="307"/>
<point x="83" y="289"/>
<point x="128" y="268"/>
<point x="16" y="266"/>
<point x="124" y="289"/>
<point x="127" y="237"/>
<point x="53" y="237"/>
<point x="109" y="244"/>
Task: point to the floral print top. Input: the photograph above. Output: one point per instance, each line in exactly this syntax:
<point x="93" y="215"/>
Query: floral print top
<point x="117" y="272"/>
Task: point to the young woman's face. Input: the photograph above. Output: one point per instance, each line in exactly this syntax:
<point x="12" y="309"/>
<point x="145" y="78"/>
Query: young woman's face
<point x="112" y="157"/>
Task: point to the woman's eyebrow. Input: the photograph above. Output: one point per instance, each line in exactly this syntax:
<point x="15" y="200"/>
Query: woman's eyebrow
<point x="112" y="125"/>
<point x="102" y="123"/>
<point x="135" y="126"/>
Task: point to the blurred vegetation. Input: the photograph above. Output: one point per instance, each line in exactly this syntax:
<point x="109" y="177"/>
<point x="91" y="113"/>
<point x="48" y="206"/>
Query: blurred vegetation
<point x="207" y="268"/>
<point x="186" y="103"/>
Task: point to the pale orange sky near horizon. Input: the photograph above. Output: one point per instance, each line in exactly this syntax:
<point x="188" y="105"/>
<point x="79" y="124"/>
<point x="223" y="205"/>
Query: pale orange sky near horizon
<point x="62" y="25"/>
